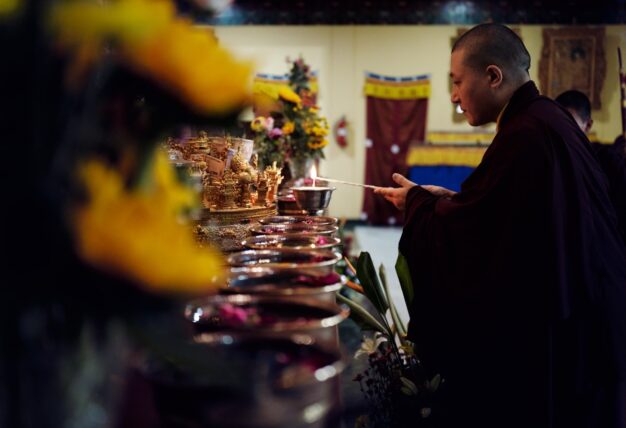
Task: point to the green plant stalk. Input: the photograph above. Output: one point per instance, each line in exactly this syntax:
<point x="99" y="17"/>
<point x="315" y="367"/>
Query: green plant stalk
<point x="406" y="283"/>
<point x="392" y="307"/>
<point x="369" y="280"/>
<point x="364" y="315"/>
<point x="373" y="290"/>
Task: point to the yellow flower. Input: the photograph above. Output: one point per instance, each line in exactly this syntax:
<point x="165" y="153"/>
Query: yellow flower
<point x="8" y="7"/>
<point x="288" y="128"/>
<point x="83" y="27"/>
<point x="317" y="144"/>
<point x="258" y="124"/>
<point x="149" y="37"/>
<point x="319" y="131"/>
<point x="136" y="234"/>
<point x="175" y="197"/>
<point x="287" y="94"/>
<point x="189" y="61"/>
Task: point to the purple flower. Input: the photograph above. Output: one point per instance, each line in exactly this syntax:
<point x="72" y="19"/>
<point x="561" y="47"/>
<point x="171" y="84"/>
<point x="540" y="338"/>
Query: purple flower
<point x="276" y="133"/>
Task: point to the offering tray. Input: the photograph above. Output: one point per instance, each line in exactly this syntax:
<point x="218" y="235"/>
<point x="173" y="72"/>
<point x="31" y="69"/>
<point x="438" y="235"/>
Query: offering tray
<point x="228" y="228"/>
<point x="315" y="220"/>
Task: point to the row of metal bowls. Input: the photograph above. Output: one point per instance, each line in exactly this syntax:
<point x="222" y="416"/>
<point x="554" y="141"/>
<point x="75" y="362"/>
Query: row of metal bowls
<point x="303" y="232"/>
<point x="281" y="271"/>
<point x="280" y="301"/>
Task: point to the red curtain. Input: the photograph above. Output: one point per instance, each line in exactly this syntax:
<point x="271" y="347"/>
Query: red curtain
<point x="392" y="126"/>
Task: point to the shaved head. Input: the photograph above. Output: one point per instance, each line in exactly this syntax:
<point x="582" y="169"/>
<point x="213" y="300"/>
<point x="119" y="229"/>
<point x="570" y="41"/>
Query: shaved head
<point x="494" y="44"/>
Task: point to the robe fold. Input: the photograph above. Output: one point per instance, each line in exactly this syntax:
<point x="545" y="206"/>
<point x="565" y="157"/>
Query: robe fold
<point x="520" y="281"/>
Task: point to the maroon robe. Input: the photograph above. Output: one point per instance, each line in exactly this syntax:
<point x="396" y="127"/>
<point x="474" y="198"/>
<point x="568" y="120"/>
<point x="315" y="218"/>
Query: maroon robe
<point x="520" y="281"/>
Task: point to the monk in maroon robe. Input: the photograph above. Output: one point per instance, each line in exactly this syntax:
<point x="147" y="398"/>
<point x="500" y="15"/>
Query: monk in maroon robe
<point x="520" y="278"/>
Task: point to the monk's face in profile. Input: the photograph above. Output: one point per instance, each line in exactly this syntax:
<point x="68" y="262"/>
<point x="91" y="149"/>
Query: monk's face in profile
<point x="473" y="90"/>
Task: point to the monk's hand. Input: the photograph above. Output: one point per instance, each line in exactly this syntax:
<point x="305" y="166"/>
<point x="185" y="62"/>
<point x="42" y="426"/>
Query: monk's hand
<point x="439" y="191"/>
<point x="396" y="195"/>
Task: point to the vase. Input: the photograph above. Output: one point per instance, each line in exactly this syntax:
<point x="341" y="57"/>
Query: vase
<point x="301" y="168"/>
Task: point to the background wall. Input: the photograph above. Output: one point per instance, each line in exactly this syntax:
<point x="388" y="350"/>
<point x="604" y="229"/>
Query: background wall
<point x="341" y="55"/>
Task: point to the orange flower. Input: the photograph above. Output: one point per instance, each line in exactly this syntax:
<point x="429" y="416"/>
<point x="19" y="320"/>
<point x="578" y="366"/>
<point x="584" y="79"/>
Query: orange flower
<point x="288" y="128"/>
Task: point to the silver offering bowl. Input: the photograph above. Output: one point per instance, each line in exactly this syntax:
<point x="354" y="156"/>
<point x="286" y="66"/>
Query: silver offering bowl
<point x="313" y="200"/>
<point x="272" y="315"/>
<point x="232" y="379"/>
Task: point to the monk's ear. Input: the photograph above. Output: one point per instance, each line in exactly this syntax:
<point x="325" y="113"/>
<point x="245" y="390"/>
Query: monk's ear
<point x="495" y="76"/>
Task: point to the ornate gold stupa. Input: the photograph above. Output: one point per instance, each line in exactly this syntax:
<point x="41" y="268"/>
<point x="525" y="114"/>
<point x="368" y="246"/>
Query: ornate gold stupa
<point x="235" y="194"/>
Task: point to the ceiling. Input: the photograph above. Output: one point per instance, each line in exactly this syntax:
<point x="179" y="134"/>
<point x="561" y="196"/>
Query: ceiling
<point x="409" y="12"/>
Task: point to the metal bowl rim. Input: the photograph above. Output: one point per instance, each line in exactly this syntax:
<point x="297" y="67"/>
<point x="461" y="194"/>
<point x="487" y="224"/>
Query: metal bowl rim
<point x="340" y="312"/>
<point x="334" y="257"/>
<point x="249" y="242"/>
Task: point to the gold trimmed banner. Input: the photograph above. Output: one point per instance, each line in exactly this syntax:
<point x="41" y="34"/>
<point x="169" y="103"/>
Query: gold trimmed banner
<point x="451" y="156"/>
<point x="397" y="88"/>
<point x="270" y="84"/>
<point x="443" y="137"/>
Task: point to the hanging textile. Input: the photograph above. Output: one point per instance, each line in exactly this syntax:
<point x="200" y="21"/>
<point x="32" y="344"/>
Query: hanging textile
<point x="396" y="119"/>
<point x="265" y="89"/>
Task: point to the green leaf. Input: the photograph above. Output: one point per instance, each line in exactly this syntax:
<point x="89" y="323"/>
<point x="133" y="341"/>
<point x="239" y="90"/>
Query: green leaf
<point x="434" y="383"/>
<point x="404" y="275"/>
<point x="392" y="307"/>
<point x="409" y="384"/>
<point x="406" y="391"/>
<point x="366" y="273"/>
<point x="362" y="317"/>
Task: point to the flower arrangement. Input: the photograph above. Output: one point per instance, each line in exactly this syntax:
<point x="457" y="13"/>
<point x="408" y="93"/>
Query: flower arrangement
<point x="269" y="141"/>
<point x="98" y="231"/>
<point x="298" y="131"/>
<point x="395" y="384"/>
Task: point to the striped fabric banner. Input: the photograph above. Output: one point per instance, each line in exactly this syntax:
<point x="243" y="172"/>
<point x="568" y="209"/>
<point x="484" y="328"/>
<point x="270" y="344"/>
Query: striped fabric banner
<point x="397" y="88"/>
<point x="269" y="84"/>
<point x="450" y="156"/>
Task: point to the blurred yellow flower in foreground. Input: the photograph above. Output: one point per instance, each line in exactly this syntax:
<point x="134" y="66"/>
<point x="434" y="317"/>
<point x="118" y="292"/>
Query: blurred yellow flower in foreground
<point x="190" y="62"/>
<point x="83" y="27"/>
<point x="136" y="233"/>
<point x="150" y="39"/>
<point x="287" y="94"/>
<point x="8" y="7"/>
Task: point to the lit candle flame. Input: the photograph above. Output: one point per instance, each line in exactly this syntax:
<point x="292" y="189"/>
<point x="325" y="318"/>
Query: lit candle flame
<point x="313" y="174"/>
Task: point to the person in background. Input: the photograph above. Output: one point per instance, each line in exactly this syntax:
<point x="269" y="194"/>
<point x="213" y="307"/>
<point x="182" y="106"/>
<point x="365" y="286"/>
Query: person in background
<point x="520" y="277"/>
<point x="610" y="157"/>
